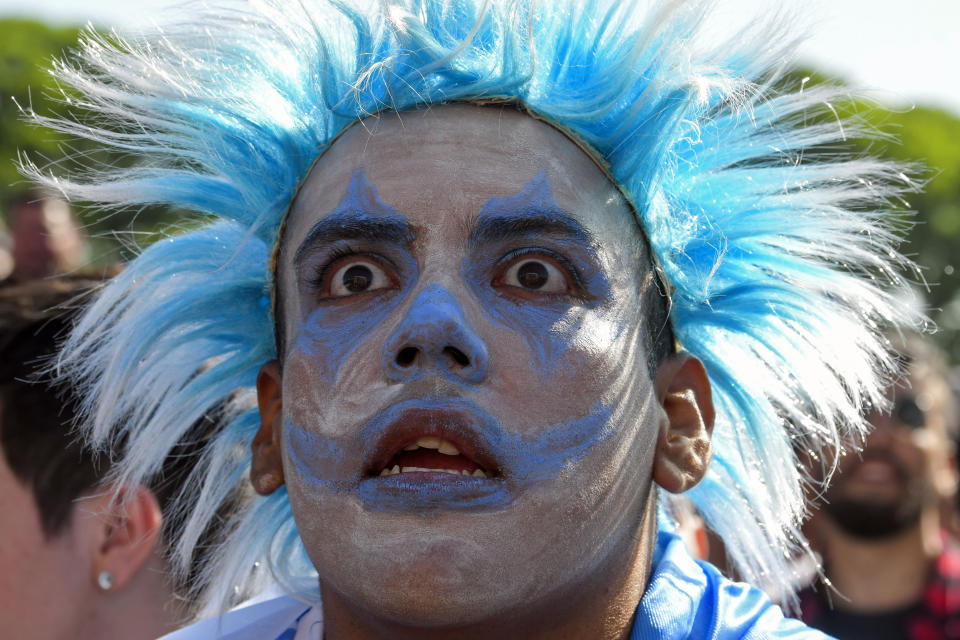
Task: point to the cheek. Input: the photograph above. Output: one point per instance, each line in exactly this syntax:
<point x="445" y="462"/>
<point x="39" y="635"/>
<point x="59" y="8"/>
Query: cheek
<point x="333" y="367"/>
<point x="324" y="405"/>
<point x="316" y="461"/>
<point x="588" y="414"/>
<point x="327" y="337"/>
<point x="35" y="572"/>
<point x="575" y="363"/>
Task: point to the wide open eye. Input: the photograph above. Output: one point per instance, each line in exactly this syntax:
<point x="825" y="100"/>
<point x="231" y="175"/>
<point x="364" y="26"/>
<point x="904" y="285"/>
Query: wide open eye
<point x="536" y="275"/>
<point x="357" y="275"/>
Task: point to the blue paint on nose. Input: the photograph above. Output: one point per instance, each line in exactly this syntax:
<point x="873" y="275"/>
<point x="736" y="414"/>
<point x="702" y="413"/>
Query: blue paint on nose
<point x="435" y="336"/>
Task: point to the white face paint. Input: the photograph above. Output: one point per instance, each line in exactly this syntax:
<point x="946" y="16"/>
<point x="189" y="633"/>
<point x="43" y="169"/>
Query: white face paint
<point x="466" y="275"/>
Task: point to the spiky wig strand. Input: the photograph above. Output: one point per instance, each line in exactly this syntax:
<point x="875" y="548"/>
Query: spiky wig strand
<point x="780" y="267"/>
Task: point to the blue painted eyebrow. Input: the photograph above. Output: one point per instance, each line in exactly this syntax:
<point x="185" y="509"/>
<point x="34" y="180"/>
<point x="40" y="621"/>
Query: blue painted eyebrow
<point x="554" y="222"/>
<point x="354" y="225"/>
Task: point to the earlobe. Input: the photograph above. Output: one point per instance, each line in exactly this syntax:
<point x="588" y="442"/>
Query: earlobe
<point x="683" y="444"/>
<point x="130" y="523"/>
<point x="266" y="469"/>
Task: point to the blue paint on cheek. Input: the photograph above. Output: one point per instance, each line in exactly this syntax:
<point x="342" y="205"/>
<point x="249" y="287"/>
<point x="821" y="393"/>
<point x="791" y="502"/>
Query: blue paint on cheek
<point x="328" y="337"/>
<point x="316" y="460"/>
<point x="548" y="330"/>
<point x="539" y="457"/>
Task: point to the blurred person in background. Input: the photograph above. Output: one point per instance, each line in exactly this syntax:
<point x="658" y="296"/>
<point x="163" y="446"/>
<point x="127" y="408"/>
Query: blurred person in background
<point x="80" y="556"/>
<point x="46" y="239"/>
<point x="892" y="571"/>
<point x="6" y="253"/>
<point x="689" y="526"/>
<point x="951" y="510"/>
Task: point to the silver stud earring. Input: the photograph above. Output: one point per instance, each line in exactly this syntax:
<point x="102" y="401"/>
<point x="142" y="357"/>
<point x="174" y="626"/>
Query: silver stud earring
<point x="105" y="580"/>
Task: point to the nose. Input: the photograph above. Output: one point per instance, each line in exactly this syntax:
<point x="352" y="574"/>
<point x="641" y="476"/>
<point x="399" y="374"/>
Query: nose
<point x="435" y="335"/>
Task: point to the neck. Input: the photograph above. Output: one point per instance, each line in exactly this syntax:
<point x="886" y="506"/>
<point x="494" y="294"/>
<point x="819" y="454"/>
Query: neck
<point x="601" y="607"/>
<point x="880" y="575"/>
<point x="142" y="609"/>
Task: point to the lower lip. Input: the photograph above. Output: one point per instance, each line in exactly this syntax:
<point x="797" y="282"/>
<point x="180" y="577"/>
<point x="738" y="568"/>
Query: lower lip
<point x="422" y="491"/>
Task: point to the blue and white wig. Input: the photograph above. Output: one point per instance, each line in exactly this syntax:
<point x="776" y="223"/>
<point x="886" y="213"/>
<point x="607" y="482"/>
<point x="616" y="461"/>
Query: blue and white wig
<point x="779" y="257"/>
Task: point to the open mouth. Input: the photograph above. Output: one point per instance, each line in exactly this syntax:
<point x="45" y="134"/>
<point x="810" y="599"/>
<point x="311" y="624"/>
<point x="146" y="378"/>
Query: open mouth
<point x="432" y="454"/>
<point x="444" y="443"/>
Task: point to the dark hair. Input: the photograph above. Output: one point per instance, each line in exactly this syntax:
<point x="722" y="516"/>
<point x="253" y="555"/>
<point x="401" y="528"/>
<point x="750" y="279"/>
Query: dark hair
<point x="35" y="416"/>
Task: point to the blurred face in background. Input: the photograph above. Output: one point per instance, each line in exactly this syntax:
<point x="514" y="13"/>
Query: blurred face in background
<point x="46" y="240"/>
<point x="907" y="464"/>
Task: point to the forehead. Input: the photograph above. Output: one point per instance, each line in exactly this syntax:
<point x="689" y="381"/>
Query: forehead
<point x="447" y="162"/>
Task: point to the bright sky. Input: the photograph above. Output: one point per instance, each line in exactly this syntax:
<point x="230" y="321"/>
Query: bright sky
<point x="904" y="51"/>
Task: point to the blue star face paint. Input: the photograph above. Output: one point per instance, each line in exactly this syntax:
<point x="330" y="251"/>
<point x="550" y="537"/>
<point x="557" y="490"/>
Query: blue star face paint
<point x="465" y="384"/>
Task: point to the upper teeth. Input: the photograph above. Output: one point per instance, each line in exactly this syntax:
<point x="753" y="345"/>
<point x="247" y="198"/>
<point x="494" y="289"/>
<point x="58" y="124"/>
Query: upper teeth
<point x="441" y="446"/>
<point x="432" y="442"/>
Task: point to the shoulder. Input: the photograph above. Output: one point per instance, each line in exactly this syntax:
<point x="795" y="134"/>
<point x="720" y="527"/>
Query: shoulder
<point x="940" y="603"/>
<point x="687" y="599"/>
<point x="259" y="619"/>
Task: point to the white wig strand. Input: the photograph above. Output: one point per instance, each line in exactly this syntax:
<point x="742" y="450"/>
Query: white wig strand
<point x="781" y="260"/>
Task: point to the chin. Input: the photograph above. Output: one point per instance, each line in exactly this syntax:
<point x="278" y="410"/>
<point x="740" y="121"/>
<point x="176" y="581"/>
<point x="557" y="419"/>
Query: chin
<point x="440" y="571"/>
<point x="440" y="584"/>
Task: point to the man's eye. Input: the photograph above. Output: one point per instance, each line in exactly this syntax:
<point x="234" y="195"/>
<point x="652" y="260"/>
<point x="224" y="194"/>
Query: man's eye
<point x="357" y="276"/>
<point x="535" y="275"/>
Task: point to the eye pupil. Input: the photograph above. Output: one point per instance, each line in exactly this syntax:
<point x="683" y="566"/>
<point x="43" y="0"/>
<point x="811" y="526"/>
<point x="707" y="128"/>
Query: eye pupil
<point x="357" y="278"/>
<point x="532" y="275"/>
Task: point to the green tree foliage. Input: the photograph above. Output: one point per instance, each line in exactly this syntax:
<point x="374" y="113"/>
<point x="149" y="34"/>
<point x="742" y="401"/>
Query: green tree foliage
<point x="932" y="136"/>
<point x="26" y="48"/>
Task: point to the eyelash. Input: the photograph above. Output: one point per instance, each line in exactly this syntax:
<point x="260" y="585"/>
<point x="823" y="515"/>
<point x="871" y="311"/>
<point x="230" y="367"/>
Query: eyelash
<point x="319" y="277"/>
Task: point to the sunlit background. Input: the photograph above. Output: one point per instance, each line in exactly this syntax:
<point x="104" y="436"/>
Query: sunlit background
<point x="901" y="59"/>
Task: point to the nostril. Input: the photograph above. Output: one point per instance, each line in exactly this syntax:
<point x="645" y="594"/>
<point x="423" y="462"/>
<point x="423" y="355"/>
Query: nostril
<point x="407" y="356"/>
<point x="457" y="356"/>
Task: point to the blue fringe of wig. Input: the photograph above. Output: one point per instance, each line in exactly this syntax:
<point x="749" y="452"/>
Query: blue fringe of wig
<point x="781" y="266"/>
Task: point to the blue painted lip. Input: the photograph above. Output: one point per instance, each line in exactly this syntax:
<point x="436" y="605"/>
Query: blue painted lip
<point x="425" y="492"/>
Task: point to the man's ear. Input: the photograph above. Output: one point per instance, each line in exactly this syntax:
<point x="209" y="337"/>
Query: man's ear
<point x="266" y="468"/>
<point x="127" y="525"/>
<point x="683" y="445"/>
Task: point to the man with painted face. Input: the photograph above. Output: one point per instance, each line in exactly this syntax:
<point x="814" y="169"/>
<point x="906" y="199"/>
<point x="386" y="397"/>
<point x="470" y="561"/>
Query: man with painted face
<point x="440" y="354"/>
<point x="500" y="273"/>
<point x="893" y="571"/>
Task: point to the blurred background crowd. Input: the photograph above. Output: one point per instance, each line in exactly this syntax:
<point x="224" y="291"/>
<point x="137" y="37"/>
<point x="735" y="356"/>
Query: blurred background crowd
<point x="886" y="528"/>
